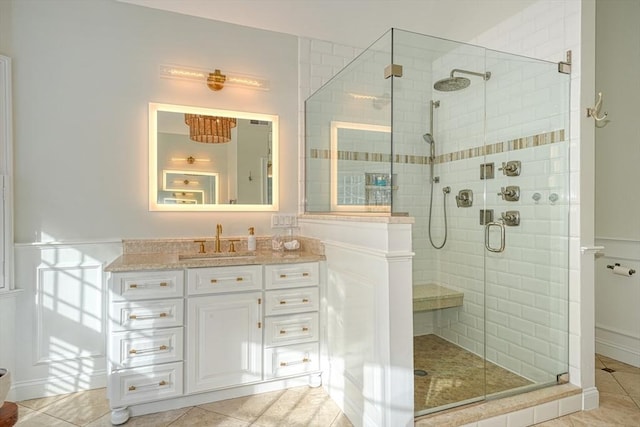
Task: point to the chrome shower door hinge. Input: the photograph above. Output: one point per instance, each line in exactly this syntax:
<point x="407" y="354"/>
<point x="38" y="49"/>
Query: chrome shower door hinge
<point x="562" y="378"/>
<point x="394" y="70"/>
<point x="565" y="67"/>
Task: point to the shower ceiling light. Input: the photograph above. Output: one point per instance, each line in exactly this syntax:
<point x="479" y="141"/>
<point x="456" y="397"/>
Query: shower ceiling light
<point x="209" y="129"/>
<point x="215" y="80"/>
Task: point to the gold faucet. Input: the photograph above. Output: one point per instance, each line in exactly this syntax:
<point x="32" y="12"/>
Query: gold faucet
<point x="202" y="250"/>
<point x="218" y="232"/>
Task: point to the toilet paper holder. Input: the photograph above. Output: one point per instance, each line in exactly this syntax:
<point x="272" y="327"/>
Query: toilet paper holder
<point x="617" y="264"/>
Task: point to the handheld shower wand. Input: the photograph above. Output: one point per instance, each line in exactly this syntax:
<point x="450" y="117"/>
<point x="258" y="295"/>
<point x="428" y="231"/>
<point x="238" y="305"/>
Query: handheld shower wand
<point x="428" y="138"/>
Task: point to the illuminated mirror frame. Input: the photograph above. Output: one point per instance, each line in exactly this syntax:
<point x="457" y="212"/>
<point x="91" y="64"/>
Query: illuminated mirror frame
<point x="335" y="127"/>
<point x="153" y="160"/>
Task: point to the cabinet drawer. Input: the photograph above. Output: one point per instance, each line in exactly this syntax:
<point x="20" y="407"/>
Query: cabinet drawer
<point x="293" y="329"/>
<point x="224" y="279"/>
<point x="132" y="349"/>
<point x="146" y="314"/>
<point x="291" y="360"/>
<point x="288" y="301"/>
<point x="147" y="285"/>
<point x="146" y="384"/>
<point x="291" y="275"/>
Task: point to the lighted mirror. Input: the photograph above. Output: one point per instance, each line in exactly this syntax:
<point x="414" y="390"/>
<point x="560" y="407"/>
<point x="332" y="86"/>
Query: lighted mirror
<point x="361" y="179"/>
<point x="204" y="159"/>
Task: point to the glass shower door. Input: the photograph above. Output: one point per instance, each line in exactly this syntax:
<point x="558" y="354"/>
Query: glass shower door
<point x="527" y="239"/>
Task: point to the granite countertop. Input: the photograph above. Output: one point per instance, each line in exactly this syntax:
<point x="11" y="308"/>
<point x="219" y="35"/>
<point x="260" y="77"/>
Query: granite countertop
<point x="172" y="261"/>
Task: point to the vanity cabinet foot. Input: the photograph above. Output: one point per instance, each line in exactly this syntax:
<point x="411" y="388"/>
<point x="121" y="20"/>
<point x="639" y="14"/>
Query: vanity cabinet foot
<point x="119" y="416"/>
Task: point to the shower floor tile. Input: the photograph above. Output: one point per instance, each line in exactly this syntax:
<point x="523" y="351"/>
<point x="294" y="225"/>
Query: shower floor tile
<point x="455" y="374"/>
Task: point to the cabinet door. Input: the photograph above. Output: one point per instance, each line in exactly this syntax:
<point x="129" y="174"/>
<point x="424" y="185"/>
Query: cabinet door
<point x="224" y="341"/>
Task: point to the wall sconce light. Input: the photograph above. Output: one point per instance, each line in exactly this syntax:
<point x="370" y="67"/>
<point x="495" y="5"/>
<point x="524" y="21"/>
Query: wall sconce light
<point x="185" y="182"/>
<point x="216" y="80"/>
<point x="191" y="160"/>
<point x="379" y="102"/>
<point x="209" y="129"/>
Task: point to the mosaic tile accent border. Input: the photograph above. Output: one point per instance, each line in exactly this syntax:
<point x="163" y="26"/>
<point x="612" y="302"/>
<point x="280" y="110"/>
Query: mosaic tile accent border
<point x="499" y="147"/>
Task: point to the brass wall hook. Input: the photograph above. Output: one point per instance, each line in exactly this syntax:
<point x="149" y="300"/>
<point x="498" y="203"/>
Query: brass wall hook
<point x="595" y="111"/>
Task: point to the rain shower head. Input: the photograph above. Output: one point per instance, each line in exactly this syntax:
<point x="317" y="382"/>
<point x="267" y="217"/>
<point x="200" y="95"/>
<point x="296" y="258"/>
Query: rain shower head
<point x="453" y="83"/>
<point x="428" y="138"/>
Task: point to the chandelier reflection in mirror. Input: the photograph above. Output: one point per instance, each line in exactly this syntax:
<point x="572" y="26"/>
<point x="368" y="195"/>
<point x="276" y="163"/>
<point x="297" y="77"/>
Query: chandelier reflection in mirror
<point x="209" y="129"/>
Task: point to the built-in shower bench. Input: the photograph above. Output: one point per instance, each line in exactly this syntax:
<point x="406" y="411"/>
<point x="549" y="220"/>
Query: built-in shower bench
<point x="431" y="297"/>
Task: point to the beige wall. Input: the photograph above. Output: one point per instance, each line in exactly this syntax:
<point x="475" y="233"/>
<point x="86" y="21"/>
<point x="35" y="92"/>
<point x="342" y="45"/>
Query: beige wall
<point x="618" y="142"/>
<point x="84" y="73"/>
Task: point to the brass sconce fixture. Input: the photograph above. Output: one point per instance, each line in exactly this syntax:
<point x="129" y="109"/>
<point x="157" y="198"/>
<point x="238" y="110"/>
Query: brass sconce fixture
<point x="190" y="160"/>
<point x="216" y="80"/>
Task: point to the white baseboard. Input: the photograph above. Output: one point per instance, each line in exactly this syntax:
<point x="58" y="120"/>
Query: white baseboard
<point x="590" y="399"/>
<point x="34" y="389"/>
<point x="617" y="346"/>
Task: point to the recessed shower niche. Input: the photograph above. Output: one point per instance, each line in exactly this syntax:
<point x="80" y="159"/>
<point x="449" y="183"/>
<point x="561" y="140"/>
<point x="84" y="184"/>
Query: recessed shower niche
<point x="454" y="110"/>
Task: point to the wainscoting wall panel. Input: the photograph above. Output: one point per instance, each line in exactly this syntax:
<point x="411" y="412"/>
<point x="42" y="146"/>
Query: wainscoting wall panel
<point x="61" y="316"/>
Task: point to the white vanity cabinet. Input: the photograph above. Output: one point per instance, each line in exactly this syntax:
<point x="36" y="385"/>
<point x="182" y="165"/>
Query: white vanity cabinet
<point x="224" y="334"/>
<point x="202" y="334"/>
<point x="292" y="328"/>
<point x="145" y="350"/>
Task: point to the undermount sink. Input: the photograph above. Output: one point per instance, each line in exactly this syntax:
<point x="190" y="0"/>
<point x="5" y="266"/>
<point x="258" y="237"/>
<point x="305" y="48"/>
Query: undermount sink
<point x="221" y="255"/>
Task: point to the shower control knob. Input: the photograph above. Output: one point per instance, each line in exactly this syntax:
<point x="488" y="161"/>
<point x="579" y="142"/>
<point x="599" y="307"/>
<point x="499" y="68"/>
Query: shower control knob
<point x="511" y="218"/>
<point x="511" y="168"/>
<point x="511" y="193"/>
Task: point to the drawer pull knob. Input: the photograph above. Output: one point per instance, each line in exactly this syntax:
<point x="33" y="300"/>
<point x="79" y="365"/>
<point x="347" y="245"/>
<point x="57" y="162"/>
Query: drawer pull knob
<point x="282" y="332"/>
<point x="239" y="279"/>
<point x="214" y="281"/>
<point x="304" y="360"/>
<point x="305" y="300"/>
<point x="305" y="274"/>
<point x="305" y="329"/>
<point x="150" y="316"/>
<point x="160" y="384"/>
<point x="149" y="350"/>
<point x="283" y="302"/>
<point x="283" y="276"/>
<point x="135" y="285"/>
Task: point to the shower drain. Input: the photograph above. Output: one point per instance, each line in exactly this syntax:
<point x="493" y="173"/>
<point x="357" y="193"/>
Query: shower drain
<point x="419" y="373"/>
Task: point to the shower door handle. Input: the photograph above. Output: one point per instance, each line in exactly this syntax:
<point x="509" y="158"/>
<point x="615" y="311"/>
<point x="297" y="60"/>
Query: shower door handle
<point x="487" y="228"/>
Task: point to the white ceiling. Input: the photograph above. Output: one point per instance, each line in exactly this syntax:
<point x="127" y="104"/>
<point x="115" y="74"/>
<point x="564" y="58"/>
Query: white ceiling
<point x="351" y="22"/>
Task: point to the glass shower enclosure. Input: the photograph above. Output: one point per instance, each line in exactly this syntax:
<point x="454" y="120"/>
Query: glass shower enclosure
<point x="474" y="144"/>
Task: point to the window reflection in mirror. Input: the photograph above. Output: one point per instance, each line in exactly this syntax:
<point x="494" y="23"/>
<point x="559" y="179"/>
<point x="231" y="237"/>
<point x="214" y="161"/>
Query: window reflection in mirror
<point x="238" y="172"/>
<point x="361" y="179"/>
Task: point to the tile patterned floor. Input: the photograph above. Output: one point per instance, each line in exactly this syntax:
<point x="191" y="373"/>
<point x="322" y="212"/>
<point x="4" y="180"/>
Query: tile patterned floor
<point x="619" y="398"/>
<point x="454" y="374"/>
<point x="303" y="406"/>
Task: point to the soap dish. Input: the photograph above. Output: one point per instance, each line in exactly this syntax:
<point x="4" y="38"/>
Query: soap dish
<point x="292" y="245"/>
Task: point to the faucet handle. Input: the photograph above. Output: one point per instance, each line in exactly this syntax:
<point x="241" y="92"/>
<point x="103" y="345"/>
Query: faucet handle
<point x="202" y="242"/>
<point x="232" y="246"/>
